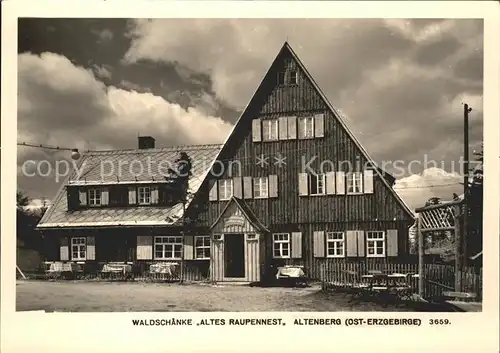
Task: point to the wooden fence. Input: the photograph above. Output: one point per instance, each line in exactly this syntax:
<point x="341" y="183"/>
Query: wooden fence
<point x="437" y="278"/>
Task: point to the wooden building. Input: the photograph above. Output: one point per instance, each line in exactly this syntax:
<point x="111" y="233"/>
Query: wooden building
<point x="290" y="185"/>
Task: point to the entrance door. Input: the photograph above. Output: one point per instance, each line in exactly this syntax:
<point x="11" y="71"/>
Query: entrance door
<point x="234" y="255"/>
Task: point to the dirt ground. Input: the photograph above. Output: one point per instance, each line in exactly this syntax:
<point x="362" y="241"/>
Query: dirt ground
<point x="80" y="296"/>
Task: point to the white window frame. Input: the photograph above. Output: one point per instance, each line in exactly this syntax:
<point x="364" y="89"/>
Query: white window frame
<point x="225" y="189"/>
<point x="320" y="184"/>
<point x="296" y="81"/>
<point x="95" y="197"/>
<point x="81" y="245"/>
<point x="260" y="188"/>
<point x="281" y="245"/>
<point x="271" y="133"/>
<point x="204" y="246"/>
<point x="333" y="241"/>
<point x="168" y="244"/>
<point x="354" y="180"/>
<point x="304" y="121"/>
<point x="144" y="195"/>
<point x="373" y="242"/>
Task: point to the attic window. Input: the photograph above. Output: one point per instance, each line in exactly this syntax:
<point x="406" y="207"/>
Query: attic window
<point x="95" y="197"/>
<point x="281" y="78"/>
<point x="144" y="195"/>
<point x="294" y="78"/>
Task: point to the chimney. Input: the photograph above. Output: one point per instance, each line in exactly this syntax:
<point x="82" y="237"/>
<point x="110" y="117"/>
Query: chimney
<point x="146" y="142"/>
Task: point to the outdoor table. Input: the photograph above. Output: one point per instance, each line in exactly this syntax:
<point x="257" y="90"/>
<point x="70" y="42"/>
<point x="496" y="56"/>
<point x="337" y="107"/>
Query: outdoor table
<point x="380" y="283"/>
<point x="293" y="274"/>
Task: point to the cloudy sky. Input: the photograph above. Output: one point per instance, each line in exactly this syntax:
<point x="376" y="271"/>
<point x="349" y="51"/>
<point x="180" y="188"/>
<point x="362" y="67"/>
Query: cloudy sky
<point x="97" y="83"/>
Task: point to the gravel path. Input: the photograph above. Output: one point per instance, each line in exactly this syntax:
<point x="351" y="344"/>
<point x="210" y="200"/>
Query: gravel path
<point x="122" y="297"/>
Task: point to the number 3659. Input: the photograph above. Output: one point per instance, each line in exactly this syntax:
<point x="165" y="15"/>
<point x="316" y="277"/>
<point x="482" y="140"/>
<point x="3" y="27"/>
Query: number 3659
<point x="439" y="322"/>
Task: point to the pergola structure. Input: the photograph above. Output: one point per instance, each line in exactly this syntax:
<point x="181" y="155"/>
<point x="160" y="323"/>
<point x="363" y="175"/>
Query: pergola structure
<point x="440" y="217"/>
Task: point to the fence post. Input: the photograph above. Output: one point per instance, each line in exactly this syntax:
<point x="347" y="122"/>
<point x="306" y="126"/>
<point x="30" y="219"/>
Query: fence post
<point x="420" y="257"/>
<point x="458" y="262"/>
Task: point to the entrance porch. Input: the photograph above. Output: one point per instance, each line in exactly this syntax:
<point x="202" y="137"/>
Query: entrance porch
<point x="237" y="247"/>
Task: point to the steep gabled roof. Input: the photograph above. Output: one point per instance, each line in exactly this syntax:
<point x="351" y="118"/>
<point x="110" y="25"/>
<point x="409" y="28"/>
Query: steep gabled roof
<point x="90" y="173"/>
<point x="286" y="49"/>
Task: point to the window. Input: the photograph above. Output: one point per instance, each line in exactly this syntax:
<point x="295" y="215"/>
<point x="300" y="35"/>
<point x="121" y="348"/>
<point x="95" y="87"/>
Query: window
<point x="354" y="183"/>
<point x="281" y="245"/>
<point x="202" y="247"/>
<point x="306" y="127"/>
<point x="270" y="130"/>
<point x="94" y="197"/>
<point x="375" y="244"/>
<point x="260" y="188"/>
<point x="335" y="244"/>
<point x="281" y="78"/>
<point x="225" y="189"/>
<point x="317" y="184"/>
<point x="144" y="195"/>
<point x="168" y="248"/>
<point x="294" y="78"/>
<point x="78" y="248"/>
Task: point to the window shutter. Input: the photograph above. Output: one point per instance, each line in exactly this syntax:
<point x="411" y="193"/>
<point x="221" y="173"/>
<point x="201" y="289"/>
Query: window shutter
<point x="392" y="242"/>
<point x="256" y="130"/>
<point x="188" y="247"/>
<point x="212" y="196"/>
<point x="340" y="182"/>
<point x="155" y="195"/>
<point x="330" y="183"/>
<point x="361" y="243"/>
<point x="301" y="127"/>
<point x="303" y="187"/>
<point x="319" y="125"/>
<point x="319" y="244"/>
<point x="368" y="181"/>
<point x="105" y="196"/>
<point x="132" y="195"/>
<point x="64" y="249"/>
<point x="82" y="194"/>
<point x="247" y="187"/>
<point x="352" y="243"/>
<point x="144" y="247"/>
<point x="90" y="248"/>
<point x="237" y="188"/>
<point x="283" y="128"/>
<point x="273" y="185"/>
<point x="292" y="127"/>
<point x="296" y="245"/>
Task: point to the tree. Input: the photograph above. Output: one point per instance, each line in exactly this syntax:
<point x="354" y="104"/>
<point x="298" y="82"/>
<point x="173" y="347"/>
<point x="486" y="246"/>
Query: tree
<point x="21" y="200"/>
<point x="180" y="175"/>
<point x="433" y="201"/>
<point x="26" y="222"/>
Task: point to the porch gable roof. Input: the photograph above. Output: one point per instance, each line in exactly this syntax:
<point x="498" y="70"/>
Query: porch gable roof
<point x="247" y="213"/>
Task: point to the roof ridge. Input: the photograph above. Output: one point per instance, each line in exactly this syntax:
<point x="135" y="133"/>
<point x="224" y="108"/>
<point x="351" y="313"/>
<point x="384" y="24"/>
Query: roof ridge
<point x="159" y="149"/>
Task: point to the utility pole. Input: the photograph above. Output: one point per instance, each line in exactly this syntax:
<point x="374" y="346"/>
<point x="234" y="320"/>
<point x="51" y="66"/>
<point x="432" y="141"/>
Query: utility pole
<point x="467" y="110"/>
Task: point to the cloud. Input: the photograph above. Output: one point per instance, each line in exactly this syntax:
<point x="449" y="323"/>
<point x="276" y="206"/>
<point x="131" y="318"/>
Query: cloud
<point x="134" y="86"/>
<point x="102" y="72"/>
<point x="61" y="104"/>
<point x="416" y="189"/>
<point x="103" y="36"/>
<point x="397" y="80"/>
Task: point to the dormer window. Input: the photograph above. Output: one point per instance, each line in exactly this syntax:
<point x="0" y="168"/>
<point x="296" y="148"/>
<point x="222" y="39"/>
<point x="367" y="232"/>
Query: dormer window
<point x="95" y="197"/>
<point x="294" y="78"/>
<point x="144" y="193"/>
